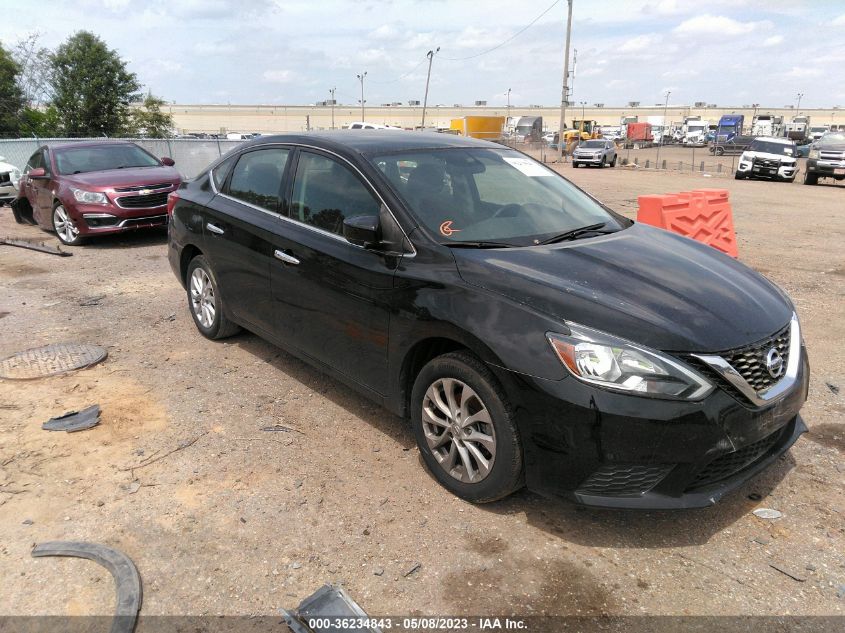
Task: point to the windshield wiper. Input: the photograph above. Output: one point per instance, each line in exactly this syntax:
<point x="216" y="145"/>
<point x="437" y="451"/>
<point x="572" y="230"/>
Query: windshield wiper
<point x="477" y="245"/>
<point x="574" y="233"/>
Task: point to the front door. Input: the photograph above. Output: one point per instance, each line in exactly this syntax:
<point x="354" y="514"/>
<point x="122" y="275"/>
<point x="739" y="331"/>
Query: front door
<point x="333" y="298"/>
<point x="239" y="231"/>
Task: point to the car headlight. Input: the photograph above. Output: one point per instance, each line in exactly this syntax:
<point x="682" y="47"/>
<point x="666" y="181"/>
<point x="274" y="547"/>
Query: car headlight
<point x="613" y="363"/>
<point x="15" y="177"/>
<point x="89" y="197"/>
<point x="814" y="153"/>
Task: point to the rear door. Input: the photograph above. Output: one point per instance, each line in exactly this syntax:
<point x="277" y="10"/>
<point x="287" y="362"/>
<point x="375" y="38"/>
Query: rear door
<point x="332" y="297"/>
<point x="239" y="228"/>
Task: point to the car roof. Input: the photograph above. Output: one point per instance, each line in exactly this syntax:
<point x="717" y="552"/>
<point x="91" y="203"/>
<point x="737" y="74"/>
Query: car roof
<point x="56" y="146"/>
<point x="376" y="141"/>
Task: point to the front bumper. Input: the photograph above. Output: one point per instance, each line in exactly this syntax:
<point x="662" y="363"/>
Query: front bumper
<point x="103" y="219"/>
<point x="751" y="170"/>
<point x="7" y="193"/>
<point x="587" y="159"/>
<point x="826" y="168"/>
<point x="601" y="448"/>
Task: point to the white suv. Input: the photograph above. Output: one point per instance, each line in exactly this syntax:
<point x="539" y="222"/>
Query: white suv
<point x="769" y="157"/>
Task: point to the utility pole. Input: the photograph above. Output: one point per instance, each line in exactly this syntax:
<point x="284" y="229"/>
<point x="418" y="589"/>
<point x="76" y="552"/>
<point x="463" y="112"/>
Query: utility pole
<point x="361" y="79"/>
<point x="509" y="102"/>
<point x="430" y="55"/>
<point x="331" y="92"/>
<point x="565" y="91"/>
<point x="574" y="72"/>
<point x="662" y="130"/>
<point x="800" y="95"/>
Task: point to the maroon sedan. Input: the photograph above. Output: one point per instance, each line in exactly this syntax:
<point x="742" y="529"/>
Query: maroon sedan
<point x="80" y="190"/>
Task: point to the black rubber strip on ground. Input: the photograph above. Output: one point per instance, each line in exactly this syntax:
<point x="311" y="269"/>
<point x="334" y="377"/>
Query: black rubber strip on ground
<point x="126" y="578"/>
<point x="74" y="420"/>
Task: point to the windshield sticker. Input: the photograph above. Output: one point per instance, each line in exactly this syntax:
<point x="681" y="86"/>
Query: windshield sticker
<point x="528" y="167"/>
<point x="447" y="230"/>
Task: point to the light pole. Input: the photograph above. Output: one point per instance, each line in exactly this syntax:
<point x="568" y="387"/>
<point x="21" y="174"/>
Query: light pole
<point x="430" y="55"/>
<point x="331" y="92"/>
<point x="800" y="95"/>
<point x="662" y="130"/>
<point x="361" y="79"/>
<point x="509" y="102"/>
<point x="565" y="90"/>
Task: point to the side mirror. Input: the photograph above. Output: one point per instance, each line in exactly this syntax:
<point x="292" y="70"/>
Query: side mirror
<point x="362" y="230"/>
<point x="39" y="173"/>
<point x="166" y="160"/>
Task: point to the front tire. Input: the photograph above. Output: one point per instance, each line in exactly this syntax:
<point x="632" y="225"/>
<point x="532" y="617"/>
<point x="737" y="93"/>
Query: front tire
<point x="466" y="429"/>
<point x="811" y="179"/>
<point x="575" y="164"/>
<point x="613" y="164"/>
<point x="65" y="227"/>
<point x="719" y="151"/>
<point x="205" y="303"/>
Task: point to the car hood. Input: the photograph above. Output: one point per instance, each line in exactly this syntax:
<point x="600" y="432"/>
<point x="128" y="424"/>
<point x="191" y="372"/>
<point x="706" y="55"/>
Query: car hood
<point x="643" y="284"/>
<point x="829" y="147"/>
<point x="779" y="157"/>
<point x="129" y="177"/>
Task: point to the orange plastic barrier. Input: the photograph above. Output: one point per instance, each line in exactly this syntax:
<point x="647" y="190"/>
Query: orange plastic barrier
<point x="704" y="215"/>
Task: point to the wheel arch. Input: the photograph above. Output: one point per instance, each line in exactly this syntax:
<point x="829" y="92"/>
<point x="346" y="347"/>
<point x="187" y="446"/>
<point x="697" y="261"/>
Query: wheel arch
<point x="189" y="252"/>
<point x="446" y="338"/>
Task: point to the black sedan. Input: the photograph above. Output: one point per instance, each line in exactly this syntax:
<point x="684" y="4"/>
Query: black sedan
<point x="530" y="335"/>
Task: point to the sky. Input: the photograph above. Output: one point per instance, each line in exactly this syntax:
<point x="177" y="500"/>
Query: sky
<point x="727" y="52"/>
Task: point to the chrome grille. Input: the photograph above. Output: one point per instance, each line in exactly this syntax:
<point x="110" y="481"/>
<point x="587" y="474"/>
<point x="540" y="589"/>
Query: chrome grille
<point x="831" y="155"/>
<point x="162" y="185"/>
<point x="750" y="361"/>
<point x="143" y="202"/>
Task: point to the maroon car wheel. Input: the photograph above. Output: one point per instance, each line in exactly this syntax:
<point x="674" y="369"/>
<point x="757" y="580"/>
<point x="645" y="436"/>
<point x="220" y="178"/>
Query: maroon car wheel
<point x="65" y="227"/>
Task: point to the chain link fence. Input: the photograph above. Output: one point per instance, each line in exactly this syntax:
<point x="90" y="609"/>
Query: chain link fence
<point x="191" y="155"/>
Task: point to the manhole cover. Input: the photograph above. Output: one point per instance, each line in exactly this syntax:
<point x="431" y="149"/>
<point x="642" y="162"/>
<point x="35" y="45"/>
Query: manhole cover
<point x="50" y="360"/>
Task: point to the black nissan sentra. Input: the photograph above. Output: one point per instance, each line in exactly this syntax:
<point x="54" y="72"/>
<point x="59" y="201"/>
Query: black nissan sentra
<point x="531" y="335"/>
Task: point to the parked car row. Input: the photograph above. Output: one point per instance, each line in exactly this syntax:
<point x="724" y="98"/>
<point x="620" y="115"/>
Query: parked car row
<point x="531" y="336"/>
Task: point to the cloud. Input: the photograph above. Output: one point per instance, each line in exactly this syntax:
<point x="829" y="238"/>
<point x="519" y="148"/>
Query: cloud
<point x="716" y="25"/>
<point x="774" y="40"/>
<point x="840" y="21"/>
<point x="803" y="72"/>
<point x="279" y="76"/>
<point x="638" y="43"/>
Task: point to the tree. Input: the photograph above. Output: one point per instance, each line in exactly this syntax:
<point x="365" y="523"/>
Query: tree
<point x="41" y="122"/>
<point x="11" y="97"/>
<point x="149" y="120"/>
<point x="92" y="88"/>
<point x="36" y="74"/>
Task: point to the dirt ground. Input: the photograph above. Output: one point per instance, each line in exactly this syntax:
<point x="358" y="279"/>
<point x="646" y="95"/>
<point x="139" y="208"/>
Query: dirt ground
<point x="222" y="517"/>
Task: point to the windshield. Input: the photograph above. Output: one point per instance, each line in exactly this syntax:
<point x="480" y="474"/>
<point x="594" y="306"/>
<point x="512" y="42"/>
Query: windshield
<point x="695" y="128"/>
<point x="597" y="144"/>
<point x="833" y="137"/>
<point x="770" y="147"/>
<point x="79" y="160"/>
<point x="490" y="195"/>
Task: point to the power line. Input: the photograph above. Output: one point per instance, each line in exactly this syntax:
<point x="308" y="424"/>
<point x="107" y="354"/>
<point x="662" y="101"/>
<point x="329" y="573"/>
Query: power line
<point x="519" y="32"/>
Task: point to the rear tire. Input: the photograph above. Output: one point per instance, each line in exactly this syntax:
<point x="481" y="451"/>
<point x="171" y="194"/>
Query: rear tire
<point x="466" y="429"/>
<point x="811" y="179"/>
<point x="205" y="302"/>
<point x="719" y="151"/>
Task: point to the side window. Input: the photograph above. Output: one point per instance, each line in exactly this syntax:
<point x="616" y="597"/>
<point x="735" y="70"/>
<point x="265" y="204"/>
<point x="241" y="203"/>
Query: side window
<point x="219" y="173"/>
<point x="257" y="177"/>
<point x="45" y="161"/>
<point x="34" y="162"/>
<point x="325" y="192"/>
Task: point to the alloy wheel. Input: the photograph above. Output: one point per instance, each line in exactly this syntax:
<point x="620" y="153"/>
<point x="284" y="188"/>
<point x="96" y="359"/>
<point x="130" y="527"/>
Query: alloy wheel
<point x="64" y="225"/>
<point x="459" y="430"/>
<point x="202" y="298"/>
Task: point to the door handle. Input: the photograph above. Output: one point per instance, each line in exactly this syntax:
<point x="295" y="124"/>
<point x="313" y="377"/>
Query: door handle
<point x="214" y="228"/>
<point x="283" y="256"/>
